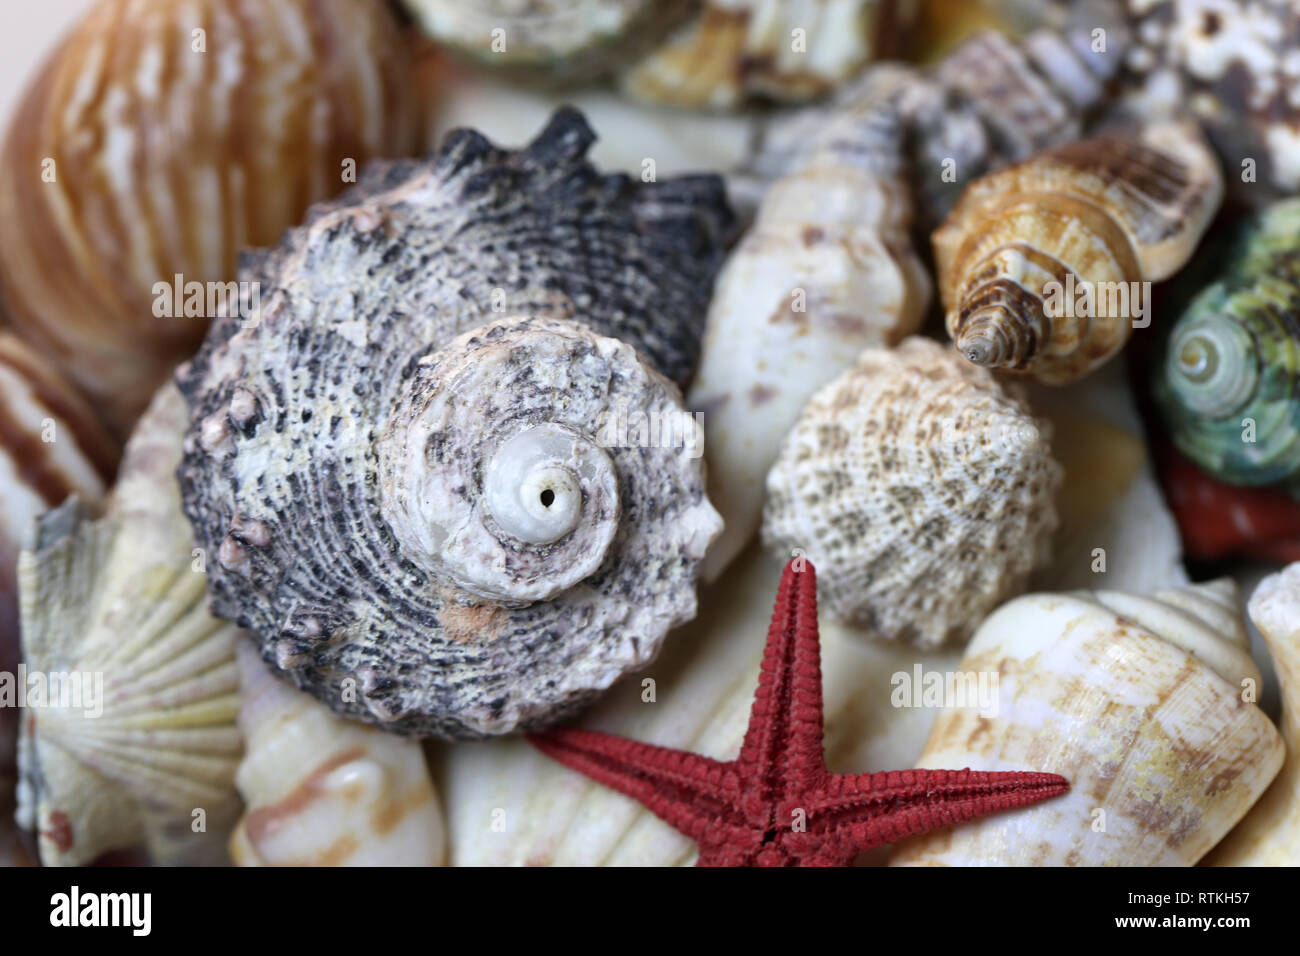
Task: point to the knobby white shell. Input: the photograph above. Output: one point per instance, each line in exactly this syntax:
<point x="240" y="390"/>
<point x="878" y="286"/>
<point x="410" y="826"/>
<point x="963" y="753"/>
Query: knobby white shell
<point x="323" y="791"/>
<point x="1142" y="703"/>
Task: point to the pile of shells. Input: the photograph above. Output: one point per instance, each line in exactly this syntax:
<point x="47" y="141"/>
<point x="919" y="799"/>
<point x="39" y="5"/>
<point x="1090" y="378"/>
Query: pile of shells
<point x="343" y="449"/>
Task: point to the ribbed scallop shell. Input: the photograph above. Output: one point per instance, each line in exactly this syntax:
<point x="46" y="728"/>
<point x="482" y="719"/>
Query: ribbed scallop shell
<point x="124" y="598"/>
<point x="783" y="50"/>
<point x="555" y="41"/>
<point x="1228" y="383"/>
<point x="1270" y="833"/>
<point x="1140" y="702"/>
<point x="1107" y="213"/>
<point x="51" y="446"/>
<point x="350" y="454"/>
<point x="179" y="134"/>
<point x="920" y="489"/>
<point x="322" y="791"/>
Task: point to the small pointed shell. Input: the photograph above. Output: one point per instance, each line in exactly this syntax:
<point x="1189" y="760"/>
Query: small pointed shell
<point x="1019" y="253"/>
<point x="920" y="489"/>
<point x="148" y="757"/>
<point x="160" y="140"/>
<point x="322" y="791"/>
<point x="1140" y="702"/>
<point x="1270" y="833"/>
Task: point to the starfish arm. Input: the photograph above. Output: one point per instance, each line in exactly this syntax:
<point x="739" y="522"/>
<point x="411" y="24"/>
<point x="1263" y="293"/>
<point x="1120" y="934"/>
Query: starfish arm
<point x="783" y="745"/>
<point x="861" y="811"/>
<point x="693" y="793"/>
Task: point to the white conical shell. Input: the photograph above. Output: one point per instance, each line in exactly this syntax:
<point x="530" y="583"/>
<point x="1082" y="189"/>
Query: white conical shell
<point x="507" y="804"/>
<point x="323" y="791"/>
<point x="1270" y="834"/>
<point x="920" y="489"/>
<point x="123" y="600"/>
<point x="1140" y="702"/>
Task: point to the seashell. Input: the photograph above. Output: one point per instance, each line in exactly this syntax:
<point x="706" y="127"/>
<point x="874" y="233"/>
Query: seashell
<point x="53" y="447"/>
<point x="510" y="805"/>
<point x="921" y="489"/>
<point x="1227" y="384"/>
<point x="829" y="268"/>
<point x="1270" y="833"/>
<point x="162" y="138"/>
<point x="148" y="757"/>
<point x="783" y="50"/>
<point x="1042" y="265"/>
<point x="423" y="472"/>
<point x="563" y="43"/>
<point x="1141" y="702"/>
<point x="322" y="791"/>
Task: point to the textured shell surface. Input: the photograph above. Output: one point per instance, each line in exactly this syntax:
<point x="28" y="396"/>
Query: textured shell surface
<point x="560" y="41"/>
<point x="921" y="490"/>
<point x="425" y="473"/>
<point x="141" y="734"/>
<point x="1141" y="702"/>
<point x="324" y="791"/>
<point x="783" y="50"/>
<point x="1042" y="264"/>
<point x="53" y="446"/>
<point x="1227" y="386"/>
<point x="159" y="140"/>
<point x="1270" y="833"/>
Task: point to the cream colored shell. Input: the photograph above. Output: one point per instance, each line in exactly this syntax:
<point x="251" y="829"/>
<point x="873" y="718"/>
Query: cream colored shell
<point x="1142" y="703"/>
<point x="1025" y="247"/>
<point x="150" y="759"/>
<point x="920" y="489"/>
<point x="1270" y="833"/>
<point x="322" y="791"/>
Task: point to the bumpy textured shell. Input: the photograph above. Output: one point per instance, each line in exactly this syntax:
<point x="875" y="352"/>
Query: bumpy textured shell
<point x="1270" y="833"/>
<point x="556" y="41"/>
<point x="829" y="267"/>
<point x="124" y="598"/>
<point x="1107" y="213"/>
<point x="322" y="791"/>
<point x="51" y="446"/>
<point x="920" y="489"/>
<point x="1140" y="702"/>
<point x="784" y="50"/>
<point x="168" y="152"/>
<point x="1228" y="384"/>
<point x="342" y="450"/>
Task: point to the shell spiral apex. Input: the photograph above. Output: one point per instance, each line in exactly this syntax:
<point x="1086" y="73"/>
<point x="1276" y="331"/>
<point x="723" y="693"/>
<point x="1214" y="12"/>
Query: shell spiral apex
<point x="424" y="473"/>
<point x="1044" y="265"/>
<point x="921" y="489"/>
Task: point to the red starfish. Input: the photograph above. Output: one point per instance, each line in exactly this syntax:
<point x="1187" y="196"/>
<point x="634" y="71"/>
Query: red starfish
<point x="777" y="804"/>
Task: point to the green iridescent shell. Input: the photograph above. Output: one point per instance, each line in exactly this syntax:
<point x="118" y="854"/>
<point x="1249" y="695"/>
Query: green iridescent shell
<point x="1228" y="384"/>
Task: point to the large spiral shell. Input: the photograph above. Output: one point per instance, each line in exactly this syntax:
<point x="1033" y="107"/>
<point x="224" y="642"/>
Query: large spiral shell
<point x="441" y="519"/>
<point x="1045" y="266"/>
<point x="162" y="138"/>
<point x="1145" y="703"/>
<point x="1227" y="386"/>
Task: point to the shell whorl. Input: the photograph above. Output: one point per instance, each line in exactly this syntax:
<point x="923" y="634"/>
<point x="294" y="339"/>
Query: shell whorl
<point x="1041" y="263"/>
<point x="1227" y="386"/>
<point x="451" y="335"/>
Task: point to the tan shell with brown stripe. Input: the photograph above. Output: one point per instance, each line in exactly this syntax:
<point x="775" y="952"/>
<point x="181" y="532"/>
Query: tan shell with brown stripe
<point x="1045" y="266"/>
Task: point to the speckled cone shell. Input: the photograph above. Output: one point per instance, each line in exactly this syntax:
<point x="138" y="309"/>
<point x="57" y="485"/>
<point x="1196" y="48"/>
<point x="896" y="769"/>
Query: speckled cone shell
<point x="162" y="138"/>
<point x="783" y="50"/>
<point x="1110" y="212"/>
<point x="1270" y="833"/>
<point x="920" y="489"/>
<point x="323" y="791"/>
<point x="343" y="450"/>
<point x="51" y="446"/>
<point x="124" y="598"/>
<point x="1138" y="702"/>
